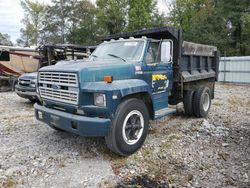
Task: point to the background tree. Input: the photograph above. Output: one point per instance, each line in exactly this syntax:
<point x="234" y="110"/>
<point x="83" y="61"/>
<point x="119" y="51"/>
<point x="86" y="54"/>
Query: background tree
<point x="5" y="40"/>
<point x="83" y="28"/>
<point x="143" y="14"/>
<point x="236" y="13"/>
<point x="245" y="35"/>
<point x="57" y="19"/>
<point x="111" y="15"/>
<point x="78" y="21"/>
<point x="216" y="22"/>
<point x="34" y="15"/>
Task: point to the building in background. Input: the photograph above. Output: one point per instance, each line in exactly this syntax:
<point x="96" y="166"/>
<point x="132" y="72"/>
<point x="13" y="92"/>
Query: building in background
<point x="234" y="69"/>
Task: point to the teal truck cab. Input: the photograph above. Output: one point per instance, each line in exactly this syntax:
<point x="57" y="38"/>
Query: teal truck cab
<point x="130" y="79"/>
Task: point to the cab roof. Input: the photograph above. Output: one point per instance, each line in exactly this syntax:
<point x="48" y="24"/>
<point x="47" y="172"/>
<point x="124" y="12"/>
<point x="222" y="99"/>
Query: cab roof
<point x="154" y="33"/>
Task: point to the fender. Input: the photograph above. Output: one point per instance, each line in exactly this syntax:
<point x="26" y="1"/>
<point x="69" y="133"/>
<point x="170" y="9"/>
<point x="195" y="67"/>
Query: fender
<point x="118" y="88"/>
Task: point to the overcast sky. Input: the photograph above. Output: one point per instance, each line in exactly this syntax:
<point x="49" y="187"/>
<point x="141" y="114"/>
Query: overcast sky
<point x="11" y="14"/>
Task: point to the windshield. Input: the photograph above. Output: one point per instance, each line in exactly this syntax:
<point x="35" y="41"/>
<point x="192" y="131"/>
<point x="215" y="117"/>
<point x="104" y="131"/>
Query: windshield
<point x="123" y="50"/>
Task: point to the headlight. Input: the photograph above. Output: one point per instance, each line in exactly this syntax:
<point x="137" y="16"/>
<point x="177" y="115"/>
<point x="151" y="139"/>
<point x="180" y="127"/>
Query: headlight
<point x="33" y="83"/>
<point x="99" y="99"/>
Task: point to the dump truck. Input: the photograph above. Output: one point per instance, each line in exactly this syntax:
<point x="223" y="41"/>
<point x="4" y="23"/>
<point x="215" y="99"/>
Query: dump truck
<point x="130" y="79"/>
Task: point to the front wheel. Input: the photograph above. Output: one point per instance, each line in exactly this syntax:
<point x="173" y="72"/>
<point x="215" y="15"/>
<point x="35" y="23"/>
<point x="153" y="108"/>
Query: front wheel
<point x="129" y="128"/>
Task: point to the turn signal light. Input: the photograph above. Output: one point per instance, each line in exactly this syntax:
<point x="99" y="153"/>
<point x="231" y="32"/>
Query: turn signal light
<point x="108" y="79"/>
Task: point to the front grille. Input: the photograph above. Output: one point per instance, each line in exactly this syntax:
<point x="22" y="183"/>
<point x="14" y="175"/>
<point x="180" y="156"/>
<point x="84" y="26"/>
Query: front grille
<point x="57" y="86"/>
<point x="63" y="79"/>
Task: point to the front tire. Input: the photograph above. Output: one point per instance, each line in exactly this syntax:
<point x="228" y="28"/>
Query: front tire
<point x="129" y="127"/>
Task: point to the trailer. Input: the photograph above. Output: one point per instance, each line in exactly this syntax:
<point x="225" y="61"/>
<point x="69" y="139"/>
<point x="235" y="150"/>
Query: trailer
<point x="130" y="79"/>
<point x="50" y="54"/>
<point x="15" y="61"/>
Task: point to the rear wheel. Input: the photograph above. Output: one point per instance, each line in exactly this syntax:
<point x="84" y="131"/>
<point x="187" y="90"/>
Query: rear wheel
<point x="129" y="128"/>
<point x="188" y="102"/>
<point x="202" y="101"/>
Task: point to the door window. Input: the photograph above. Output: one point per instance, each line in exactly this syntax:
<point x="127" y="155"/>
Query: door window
<point x="153" y="53"/>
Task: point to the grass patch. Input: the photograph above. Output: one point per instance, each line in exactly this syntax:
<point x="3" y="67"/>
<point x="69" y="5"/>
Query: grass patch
<point x="174" y="178"/>
<point x="141" y="181"/>
<point x="165" y="146"/>
<point x="118" y="163"/>
<point x="173" y="137"/>
<point x="155" y="169"/>
<point x="9" y="183"/>
<point x="216" y="103"/>
<point x="62" y="162"/>
<point x="233" y="100"/>
<point x="190" y="177"/>
<point x="106" y="184"/>
<point x="248" y="103"/>
<point x="146" y="151"/>
<point x="203" y="167"/>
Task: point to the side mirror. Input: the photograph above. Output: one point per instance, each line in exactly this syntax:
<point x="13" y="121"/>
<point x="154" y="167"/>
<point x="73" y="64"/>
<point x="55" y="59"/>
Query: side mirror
<point x="167" y="51"/>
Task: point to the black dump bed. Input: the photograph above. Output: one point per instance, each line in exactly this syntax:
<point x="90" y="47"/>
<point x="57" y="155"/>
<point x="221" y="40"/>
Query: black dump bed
<point x="198" y="61"/>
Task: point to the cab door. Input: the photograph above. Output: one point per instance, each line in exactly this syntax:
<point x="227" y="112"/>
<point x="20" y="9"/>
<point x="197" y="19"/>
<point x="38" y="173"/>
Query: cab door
<point x="159" y="71"/>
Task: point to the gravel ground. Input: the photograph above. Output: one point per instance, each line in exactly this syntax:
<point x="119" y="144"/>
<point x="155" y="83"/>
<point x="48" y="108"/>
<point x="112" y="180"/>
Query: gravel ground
<point x="34" y="155"/>
<point x="195" y="152"/>
<point x="179" y="151"/>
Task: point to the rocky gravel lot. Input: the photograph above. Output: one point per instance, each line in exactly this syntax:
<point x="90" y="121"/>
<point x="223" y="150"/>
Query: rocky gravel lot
<point x="34" y="155"/>
<point x="179" y="151"/>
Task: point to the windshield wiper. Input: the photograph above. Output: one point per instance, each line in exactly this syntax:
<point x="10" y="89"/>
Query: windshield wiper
<point x="94" y="55"/>
<point x="113" y="55"/>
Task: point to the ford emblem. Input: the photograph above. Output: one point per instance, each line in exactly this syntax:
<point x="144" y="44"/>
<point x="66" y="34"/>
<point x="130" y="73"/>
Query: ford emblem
<point x="56" y="87"/>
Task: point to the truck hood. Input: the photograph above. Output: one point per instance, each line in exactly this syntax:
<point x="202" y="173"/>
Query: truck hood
<point x="93" y="71"/>
<point x="29" y="76"/>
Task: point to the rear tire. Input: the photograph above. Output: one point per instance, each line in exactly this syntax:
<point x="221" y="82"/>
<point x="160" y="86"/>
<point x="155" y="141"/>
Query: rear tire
<point x="188" y="102"/>
<point x="202" y="101"/>
<point x="129" y="127"/>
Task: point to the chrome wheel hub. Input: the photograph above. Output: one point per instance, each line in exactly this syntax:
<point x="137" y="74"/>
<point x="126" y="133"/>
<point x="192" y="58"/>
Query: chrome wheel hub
<point x="133" y="126"/>
<point x="206" y="102"/>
